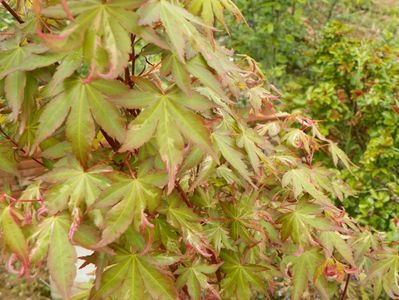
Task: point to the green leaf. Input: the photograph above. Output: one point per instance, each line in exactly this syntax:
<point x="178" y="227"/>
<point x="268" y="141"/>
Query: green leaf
<point x="333" y="240"/>
<point x="87" y="102"/>
<point x="218" y="236"/>
<point x="171" y="64"/>
<point x="142" y="128"/>
<point x="211" y="9"/>
<point x="191" y="126"/>
<point x="104" y="32"/>
<point x="158" y="286"/>
<point x="66" y="69"/>
<point x="339" y="155"/>
<point x="13" y="235"/>
<point x="299" y="223"/>
<point x="135" y="277"/>
<point x="187" y="222"/>
<point x="80" y="128"/>
<point x="301" y="181"/>
<point x="179" y="26"/>
<point x="249" y="140"/>
<point x="61" y="256"/>
<point x="42" y="241"/>
<point x="75" y="186"/>
<point x="52" y="117"/>
<point x="105" y="114"/>
<point x="241" y="213"/>
<point x="194" y="276"/>
<point x="14" y="89"/>
<point x="241" y="279"/>
<point x="112" y="279"/>
<point x="7" y="159"/>
<point x="226" y="146"/>
<point x="304" y="268"/>
<point x="386" y="268"/>
<point x="126" y="201"/>
<point x="166" y="116"/>
<point x="198" y="68"/>
<point x="171" y="145"/>
<point x="15" y="55"/>
<point x="168" y="236"/>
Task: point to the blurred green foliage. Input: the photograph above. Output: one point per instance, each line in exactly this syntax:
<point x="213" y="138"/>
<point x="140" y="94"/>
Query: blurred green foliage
<point x="338" y="61"/>
<point x="5" y="19"/>
<point x="354" y="91"/>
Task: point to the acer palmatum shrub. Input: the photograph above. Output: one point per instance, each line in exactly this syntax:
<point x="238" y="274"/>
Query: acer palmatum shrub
<point x="166" y="158"/>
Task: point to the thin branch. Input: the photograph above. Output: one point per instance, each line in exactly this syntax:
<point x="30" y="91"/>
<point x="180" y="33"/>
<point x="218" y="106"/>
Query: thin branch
<point x="134" y="56"/>
<point x="12" y="12"/>
<point x="38" y="161"/>
<point x="331" y="10"/>
<point x="113" y="143"/>
<point x="128" y="79"/>
<point x="7" y="33"/>
<point x="183" y="195"/>
<point x="215" y="261"/>
<point x="345" y="291"/>
<point x="8" y="138"/>
<point x="248" y="248"/>
<point x="127" y="163"/>
<point x="265" y="118"/>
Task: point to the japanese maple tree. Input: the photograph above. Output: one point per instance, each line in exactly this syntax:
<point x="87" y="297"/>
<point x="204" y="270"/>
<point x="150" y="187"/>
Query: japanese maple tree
<point x="164" y="156"/>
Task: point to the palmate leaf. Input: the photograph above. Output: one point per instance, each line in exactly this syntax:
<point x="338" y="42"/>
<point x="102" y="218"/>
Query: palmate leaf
<point x="74" y="186"/>
<point x="300" y="181"/>
<point x="211" y="9"/>
<point x="241" y="279"/>
<point x="339" y="156"/>
<point x="198" y="68"/>
<point x="227" y="148"/>
<point x="196" y="277"/>
<point x="179" y="26"/>
<point x="218" y="236"/>
<point x="304" y="268"/>
<point x="104" y="32"/>
<point x="170" y="118"/>
<point x="242" y="215"/>
<point x="82" y="104"/>
<point x="66" y="68"/>
<point x="167" y="235"/>
<point x="171" y="64"/>
<point x="125" y="202"/>
<point x="299" y="223"/>
<point x="187" y="222"/>
<point x="135" y="277"/>
<point x="333" y="240"/>
<point x="13" y="66"/>
<point x="386" y="269"/>
<point x="15" y="54"/>
<point x="250" y="141"/>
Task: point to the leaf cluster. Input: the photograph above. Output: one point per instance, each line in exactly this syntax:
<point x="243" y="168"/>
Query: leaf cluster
<point x="180" y="176"/>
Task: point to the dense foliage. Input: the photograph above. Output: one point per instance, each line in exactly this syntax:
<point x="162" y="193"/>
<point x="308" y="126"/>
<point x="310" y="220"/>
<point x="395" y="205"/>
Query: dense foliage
<point x="356" y="97"/>
<point x="165" y="156"/>
<point x="344" y="76"/>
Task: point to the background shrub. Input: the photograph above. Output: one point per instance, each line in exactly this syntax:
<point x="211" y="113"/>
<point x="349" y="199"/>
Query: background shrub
<point x="337" y="61"/>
